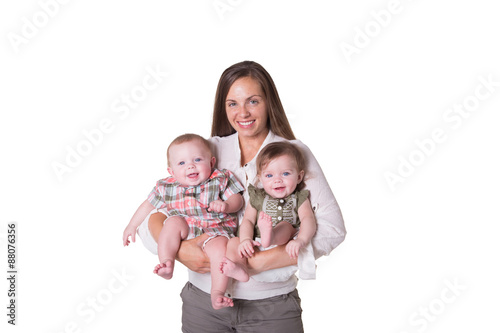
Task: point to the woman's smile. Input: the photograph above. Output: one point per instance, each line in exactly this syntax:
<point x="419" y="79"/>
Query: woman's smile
<point x="246" y="123"/>
<point x="246" y="108"/>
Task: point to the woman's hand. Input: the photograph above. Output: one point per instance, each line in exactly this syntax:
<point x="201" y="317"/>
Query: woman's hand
<point x="192" y="256"/>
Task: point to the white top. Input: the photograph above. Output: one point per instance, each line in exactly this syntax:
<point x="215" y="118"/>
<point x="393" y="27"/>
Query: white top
<point x="330" y="224"/>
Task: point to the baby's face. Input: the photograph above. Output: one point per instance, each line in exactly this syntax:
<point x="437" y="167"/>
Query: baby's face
<point x="191" y="163"/>
<point x="281" y="176"/>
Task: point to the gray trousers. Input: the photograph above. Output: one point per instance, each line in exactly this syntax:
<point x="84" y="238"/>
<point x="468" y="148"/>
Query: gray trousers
<point x="279" y="314"/>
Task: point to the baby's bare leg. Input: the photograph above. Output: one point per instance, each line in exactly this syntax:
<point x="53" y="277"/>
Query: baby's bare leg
<point x="278" y="235"/>
<point x="216" y="250"/>
<point x="155" y="224"/>
<point x="173" y="232"/>
<point x="265" y="224"/>
<point x="282" y="233"/>
<point x="233" y="265"/>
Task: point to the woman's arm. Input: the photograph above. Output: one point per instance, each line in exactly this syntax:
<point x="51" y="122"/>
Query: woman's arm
<point x="330" y="223"/>
<point x="192" y="256"/>
<point x="276" y="257"/>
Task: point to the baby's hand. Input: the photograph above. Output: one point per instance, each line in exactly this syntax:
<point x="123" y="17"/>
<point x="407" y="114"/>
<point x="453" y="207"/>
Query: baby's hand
<point x="245" y="249"/>
<point x="218" y="206"/>
<point x="129" y="231"/>
<point x="293" y="247"/>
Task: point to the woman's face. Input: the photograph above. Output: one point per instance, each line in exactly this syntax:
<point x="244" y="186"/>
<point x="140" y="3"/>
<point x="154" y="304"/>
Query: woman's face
<point x="246" y="108"/>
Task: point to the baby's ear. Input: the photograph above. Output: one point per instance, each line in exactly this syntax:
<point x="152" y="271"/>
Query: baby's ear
<point x="212" y="161"/>
<point x="301" y="176"/>
<point x="170" y="171"/>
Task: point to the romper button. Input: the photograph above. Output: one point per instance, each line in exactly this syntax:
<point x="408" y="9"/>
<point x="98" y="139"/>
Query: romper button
<point x="279" y="218"/>
<point x="279" y="207"/>
<point x="281" y="200"/>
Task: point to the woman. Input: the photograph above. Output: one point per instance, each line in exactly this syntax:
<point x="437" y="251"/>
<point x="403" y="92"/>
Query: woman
<point x="248" y="115"/>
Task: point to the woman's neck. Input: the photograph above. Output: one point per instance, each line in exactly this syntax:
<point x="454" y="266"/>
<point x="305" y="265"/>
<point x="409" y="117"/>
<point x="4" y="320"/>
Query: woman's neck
<point x="249" y="147"/>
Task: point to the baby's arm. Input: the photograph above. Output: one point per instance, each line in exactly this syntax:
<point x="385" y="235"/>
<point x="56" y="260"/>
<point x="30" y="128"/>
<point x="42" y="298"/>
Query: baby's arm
<point x="231" y="205"/>
<point x="306" y="232"/>
<point x="246" y="230"/>
<point x="140" y="214"/>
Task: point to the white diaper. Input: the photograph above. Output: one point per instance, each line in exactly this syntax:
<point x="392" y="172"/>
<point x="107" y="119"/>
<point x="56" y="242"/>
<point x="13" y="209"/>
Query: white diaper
<point x="145" y="235"/>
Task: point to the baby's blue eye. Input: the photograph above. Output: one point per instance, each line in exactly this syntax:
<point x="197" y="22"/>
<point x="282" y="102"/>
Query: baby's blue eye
<point x="181" y="163"/>
<point x="268" y="176"/>
<point x="197" y="160"/>
<point x="286" y="173"/>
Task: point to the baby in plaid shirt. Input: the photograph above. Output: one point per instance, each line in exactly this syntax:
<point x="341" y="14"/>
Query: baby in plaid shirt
<point x="196" y="199"/>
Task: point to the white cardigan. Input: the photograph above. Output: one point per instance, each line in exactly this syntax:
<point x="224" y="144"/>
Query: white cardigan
<point x="330" y="224"/>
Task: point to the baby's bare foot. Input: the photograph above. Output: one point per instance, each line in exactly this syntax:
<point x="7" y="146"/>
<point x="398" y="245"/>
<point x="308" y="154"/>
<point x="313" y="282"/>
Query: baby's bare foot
<point x="233" y="270"/>
<point x="265" y="224"/>
<point x="220" y="301"/>
<point x="165" y="270"/>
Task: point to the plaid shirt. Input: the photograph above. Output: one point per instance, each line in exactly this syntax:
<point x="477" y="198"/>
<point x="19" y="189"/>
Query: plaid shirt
<point x="192" y="202"/>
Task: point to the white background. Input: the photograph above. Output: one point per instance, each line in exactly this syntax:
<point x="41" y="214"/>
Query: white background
<point x="360" y="115"/>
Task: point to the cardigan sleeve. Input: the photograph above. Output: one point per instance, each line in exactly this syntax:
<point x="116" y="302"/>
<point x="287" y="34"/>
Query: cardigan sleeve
<point x="330" y="223"/>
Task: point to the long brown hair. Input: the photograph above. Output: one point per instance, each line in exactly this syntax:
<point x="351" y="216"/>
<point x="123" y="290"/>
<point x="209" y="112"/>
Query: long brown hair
<point x="277" y="121"/>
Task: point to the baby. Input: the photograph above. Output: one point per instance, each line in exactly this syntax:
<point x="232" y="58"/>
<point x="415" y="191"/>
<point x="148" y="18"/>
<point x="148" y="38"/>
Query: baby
<point x="278" y="209"/>
<point x="196" y="199"/>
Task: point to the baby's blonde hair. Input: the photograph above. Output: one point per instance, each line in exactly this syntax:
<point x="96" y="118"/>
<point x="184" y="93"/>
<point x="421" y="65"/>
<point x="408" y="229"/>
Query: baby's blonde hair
<point x="188" y="137"/>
